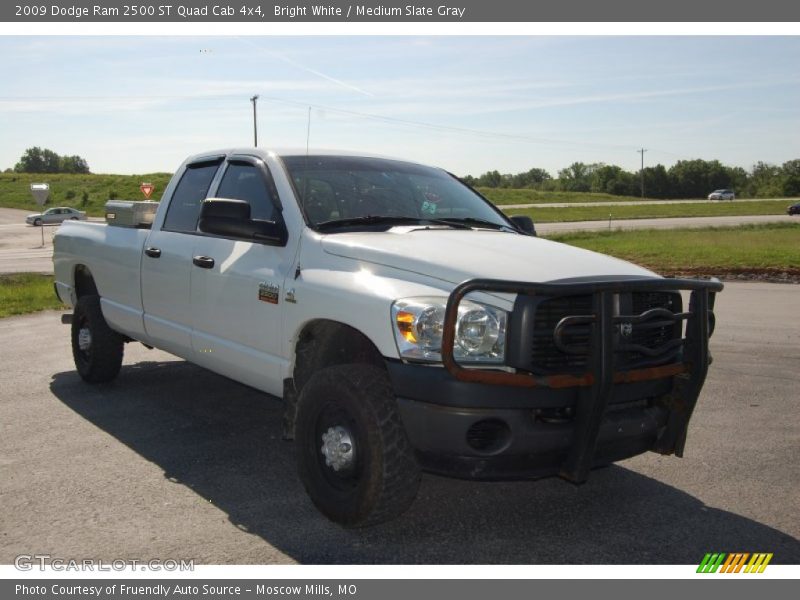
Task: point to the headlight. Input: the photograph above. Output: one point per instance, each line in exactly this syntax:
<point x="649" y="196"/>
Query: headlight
<point x="480" y="334"/>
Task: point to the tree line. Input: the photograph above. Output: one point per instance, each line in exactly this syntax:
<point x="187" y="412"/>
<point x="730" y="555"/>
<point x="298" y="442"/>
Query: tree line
<point x="43" y="160"/>
<point x="685" y="179"/>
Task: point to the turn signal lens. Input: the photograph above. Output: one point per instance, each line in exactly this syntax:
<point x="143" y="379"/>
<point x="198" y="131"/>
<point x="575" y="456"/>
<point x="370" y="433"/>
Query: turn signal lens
<point x="405" y="324"/>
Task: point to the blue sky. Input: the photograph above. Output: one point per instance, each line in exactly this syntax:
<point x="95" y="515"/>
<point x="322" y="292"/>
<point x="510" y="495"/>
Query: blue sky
<point x="469" y="104"/>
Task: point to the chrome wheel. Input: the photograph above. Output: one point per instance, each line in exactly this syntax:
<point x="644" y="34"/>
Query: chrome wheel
<point x="84" y="339"/>
<point x="338" y="448"/>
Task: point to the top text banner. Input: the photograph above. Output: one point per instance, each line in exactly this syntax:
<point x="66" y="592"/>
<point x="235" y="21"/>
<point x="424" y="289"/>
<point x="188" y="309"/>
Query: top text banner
<point x="253" y="11"/>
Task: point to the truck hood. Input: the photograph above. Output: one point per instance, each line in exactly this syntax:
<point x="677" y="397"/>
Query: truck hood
<point x="456" y="255"/>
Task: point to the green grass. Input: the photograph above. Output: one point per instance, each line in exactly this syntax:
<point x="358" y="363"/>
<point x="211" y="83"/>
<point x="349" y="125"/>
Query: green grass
<point x="67" y="190"/>
<point x="769" y="247"/>
<point x="651" y="211"/>
<point x="15" y="191"/>
<point x="501" y="196"/>
<point x="747" y="248"/>
<point x="23" y="293"/>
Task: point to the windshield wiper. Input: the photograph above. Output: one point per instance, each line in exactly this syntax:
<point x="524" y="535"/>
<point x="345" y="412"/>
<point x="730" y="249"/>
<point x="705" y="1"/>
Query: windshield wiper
<point x="478" y="223"/>
<point x="387" y="220"/>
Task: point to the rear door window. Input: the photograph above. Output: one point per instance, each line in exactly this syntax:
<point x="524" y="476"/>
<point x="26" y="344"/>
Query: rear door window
<point x="184" y="208"/>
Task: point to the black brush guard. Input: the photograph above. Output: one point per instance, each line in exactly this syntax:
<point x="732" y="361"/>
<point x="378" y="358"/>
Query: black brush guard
<point x="689" y="372"/>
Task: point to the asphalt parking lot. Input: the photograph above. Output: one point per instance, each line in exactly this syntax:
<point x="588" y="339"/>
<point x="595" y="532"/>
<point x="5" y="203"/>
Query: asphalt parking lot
<point x="171" y="461"/>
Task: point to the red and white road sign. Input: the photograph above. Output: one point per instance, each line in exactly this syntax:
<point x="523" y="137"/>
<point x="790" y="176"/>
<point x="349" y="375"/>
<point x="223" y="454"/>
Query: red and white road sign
<point x="147" y="189"/>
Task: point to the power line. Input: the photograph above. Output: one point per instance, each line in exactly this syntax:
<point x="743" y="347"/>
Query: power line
<point x="376" y="117"/>
<point x="373" y="116"/>
<point x="437" y="127"/>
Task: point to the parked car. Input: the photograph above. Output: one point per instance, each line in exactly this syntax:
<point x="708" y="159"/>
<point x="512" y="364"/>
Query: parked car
<point x="55" y="215"/>
<point x="406" y="322"/>
<point x="722" y="195"/>
<point x="794" y="209"/>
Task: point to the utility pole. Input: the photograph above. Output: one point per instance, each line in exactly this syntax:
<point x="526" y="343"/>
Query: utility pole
<point x="641" y="172"/>
<point x="254" y="99"/>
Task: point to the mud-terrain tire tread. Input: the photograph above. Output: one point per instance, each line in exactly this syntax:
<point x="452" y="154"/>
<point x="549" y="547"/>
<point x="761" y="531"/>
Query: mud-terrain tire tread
<point x="107" y="345"/>
<point x="393" y="477"/>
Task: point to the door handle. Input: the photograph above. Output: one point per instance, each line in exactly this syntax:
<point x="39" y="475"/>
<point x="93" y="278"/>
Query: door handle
<point x="153" y="252"/>
<point x="204" y="262"/>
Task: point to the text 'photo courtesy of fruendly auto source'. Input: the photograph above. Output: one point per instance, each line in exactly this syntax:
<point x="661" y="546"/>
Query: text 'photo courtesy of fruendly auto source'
<point x="285" y="298"/>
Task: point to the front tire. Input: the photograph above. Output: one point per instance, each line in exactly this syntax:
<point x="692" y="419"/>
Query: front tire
<point x="37" y="222"/>
<point x="96" y="348"/>
<point x="353" y="455"/>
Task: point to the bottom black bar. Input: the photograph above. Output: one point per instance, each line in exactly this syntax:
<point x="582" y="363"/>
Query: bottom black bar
<point x="733" y="587"/>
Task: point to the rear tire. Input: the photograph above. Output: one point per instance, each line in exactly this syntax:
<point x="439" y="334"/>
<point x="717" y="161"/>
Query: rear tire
<point x="96" y="348"/>
<point x="353" y="455"/>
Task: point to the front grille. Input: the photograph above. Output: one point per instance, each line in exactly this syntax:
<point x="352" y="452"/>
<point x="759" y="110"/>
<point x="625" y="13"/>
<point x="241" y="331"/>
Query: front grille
<point x="655" y="334"/>
<point x="546" y="358"/>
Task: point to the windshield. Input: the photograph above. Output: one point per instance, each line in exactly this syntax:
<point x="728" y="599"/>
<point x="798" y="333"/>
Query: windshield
<point x="343" y="188"/>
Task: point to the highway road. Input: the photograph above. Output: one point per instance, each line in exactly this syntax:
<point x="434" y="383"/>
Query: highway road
<point x="173" y="461"/>
<point x="633" y="203"/>
<point x="668" y="223"/>
<point x="21" y="246"/>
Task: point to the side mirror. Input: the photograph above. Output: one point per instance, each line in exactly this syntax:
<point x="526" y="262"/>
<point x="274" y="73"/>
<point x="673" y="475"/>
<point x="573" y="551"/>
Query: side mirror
<point x="524" y="223"/>
<point x="231" y="218"/>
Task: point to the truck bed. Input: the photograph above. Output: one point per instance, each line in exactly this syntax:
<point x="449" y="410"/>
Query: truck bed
<point x="113" y="255"/>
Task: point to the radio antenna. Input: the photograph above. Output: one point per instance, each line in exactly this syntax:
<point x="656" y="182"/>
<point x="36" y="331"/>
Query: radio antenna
<point x="305" y="171"/>
<point x="308" y="130"/>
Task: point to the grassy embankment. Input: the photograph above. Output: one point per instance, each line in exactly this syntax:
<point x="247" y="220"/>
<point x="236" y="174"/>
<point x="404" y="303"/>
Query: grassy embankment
<point x="22" y="293"/>
<point x="752" y="249"/>
<point x="652" y="211"/>
<point x="766" y="249"/>
<point x="69" y="190"/>
<point x="601" y="210"/>
<point x="501" y="196"/>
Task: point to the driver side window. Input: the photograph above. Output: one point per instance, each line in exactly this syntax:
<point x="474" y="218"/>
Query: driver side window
<point x="244" y="182"/>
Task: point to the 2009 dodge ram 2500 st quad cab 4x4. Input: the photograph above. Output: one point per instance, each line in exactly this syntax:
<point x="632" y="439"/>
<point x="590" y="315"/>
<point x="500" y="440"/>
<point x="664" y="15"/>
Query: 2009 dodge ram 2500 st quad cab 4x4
<point x="406" y="322"/>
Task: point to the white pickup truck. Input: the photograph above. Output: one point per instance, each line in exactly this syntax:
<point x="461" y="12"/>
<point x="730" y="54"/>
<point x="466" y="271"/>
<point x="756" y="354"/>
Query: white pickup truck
<point x="406" y="322"/>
